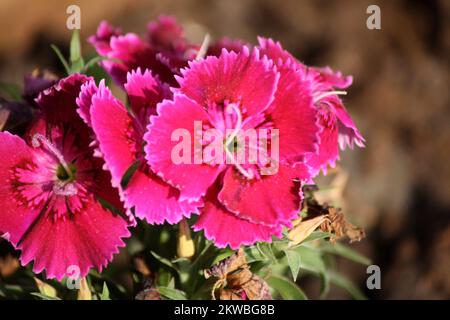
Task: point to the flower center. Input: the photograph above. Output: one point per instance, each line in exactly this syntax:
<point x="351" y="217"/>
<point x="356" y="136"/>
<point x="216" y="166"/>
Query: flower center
<point x="231" y="143"/>
<point x="65" y="172"/>
<point x="66" y="176"/>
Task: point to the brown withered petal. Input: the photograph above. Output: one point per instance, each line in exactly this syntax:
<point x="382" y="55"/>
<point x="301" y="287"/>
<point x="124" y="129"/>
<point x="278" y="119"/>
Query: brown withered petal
<point x="338" y="225"/>
<point x="228" y="265"/>
<point x="302" y="230"/>
<point x="254" y="287"/>
<point x="236" y="281"/>
<point x="149" y="292"/>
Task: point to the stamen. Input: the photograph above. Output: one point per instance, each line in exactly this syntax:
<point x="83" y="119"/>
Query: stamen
<point x="204" y="48"/>
<point x="328" y="93"/>
<point x="230" y="139"/>
<point x="38" y="140"/>
<point x="230" y="109"/>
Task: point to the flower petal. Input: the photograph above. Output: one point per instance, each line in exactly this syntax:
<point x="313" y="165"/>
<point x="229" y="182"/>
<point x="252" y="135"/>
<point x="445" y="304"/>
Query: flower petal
<point x="274" y="51"/>
<point x="271" y="200"/>
<point x="86" y="239"/>
<point x="242" y="78"/>
<point x="132" y="53"/>
<point x="119" y="143"/>
<point x="101" y="40"/>
<point x="294" y="115"/>
<point x="84" y="100"/>
<point x="114" y="131"/>
<point x="190" y="178"/>
<point x="155" y="200"/>
<point x="58" y="103"/>
<point x="225" y="228"/>
<point x="328" y="152"/>
<point x="144" y="93"/>
<point x="16" y="214"/>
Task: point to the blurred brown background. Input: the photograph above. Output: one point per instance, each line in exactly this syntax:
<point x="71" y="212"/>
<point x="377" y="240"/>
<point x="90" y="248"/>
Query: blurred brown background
<point x="399" y="185"/>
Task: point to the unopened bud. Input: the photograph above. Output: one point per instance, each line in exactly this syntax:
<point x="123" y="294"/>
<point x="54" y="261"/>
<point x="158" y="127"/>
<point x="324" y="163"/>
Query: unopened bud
<point x="84" y="293"/>
<point x="185" y="246"/>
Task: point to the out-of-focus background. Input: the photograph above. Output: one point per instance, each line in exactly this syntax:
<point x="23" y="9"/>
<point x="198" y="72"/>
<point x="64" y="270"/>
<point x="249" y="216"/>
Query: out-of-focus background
<point x="398" y="187"/>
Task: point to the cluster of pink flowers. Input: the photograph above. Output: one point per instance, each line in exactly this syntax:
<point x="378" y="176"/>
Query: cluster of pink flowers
<point x="61" y="180"/>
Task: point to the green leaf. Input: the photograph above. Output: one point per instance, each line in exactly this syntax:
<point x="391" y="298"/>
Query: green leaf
<point x="129" y="174"/>
<point x="61" y="58"/>
<point x="105" y="292"/>
<point x="287" y="289"/>
<point x="293" y="258"/>
<point x="347" y="285"/>
<point x="12" y="91"/>
<point x="311" y="259"/>
<point x="266" y="250"/>
<point x="93" y="62"/>
<point x="317" y="235"/>
<point x="223" y="254"/>
<point x="43" y="296"/>
<point x="172" y="294"/>
<point x="346" y="252"/>
<point x="76" y="59"/>
<point x="164" y="260"/>
<point x="253" y="254"/>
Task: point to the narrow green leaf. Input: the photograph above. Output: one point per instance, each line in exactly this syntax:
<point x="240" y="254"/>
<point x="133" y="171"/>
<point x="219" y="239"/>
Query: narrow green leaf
<point x="266" y="250"/>
<point x="346" y="252"/>
<point x="129" y="173"/>
<point x="253" y="254"/>
<point x="223" y="254"/>
<point x="61" y="58"/>
<point x="92" y="62"/>
<point x="286" y="288"/>
<point x="317" y="235"/>
<point x="172" y="294"/>
<point x="164" y="260"/>
<point x="310" y="259"/>
<point x="347" y="285"/>
<point x="11" y="91"/>
<point x="43" y="296"/>
<point x="293" y="258"/>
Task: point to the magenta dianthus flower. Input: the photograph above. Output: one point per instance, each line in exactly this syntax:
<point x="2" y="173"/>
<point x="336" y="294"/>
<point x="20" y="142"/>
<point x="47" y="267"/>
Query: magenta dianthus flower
<point x="52" y="187"/>
<point x="164" y="51"/>
<point x="231" y="93"/>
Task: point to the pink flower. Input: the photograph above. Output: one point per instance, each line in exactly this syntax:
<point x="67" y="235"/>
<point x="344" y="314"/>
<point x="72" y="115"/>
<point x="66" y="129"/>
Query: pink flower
<point x="51" y="187"/>
<point x="119" y="134"/>
<point x="235" y="92"/>
<point x="337" y="128"/>
<point x="164" y="51"/>
<point x="215" y="49"/>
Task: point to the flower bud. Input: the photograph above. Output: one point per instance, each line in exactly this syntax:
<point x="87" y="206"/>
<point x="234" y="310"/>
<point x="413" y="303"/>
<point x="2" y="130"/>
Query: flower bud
<point x="185" y="245"/>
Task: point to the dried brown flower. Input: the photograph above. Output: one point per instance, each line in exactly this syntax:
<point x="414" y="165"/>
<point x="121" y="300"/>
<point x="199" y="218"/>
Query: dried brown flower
<point x="236" y="281"/>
